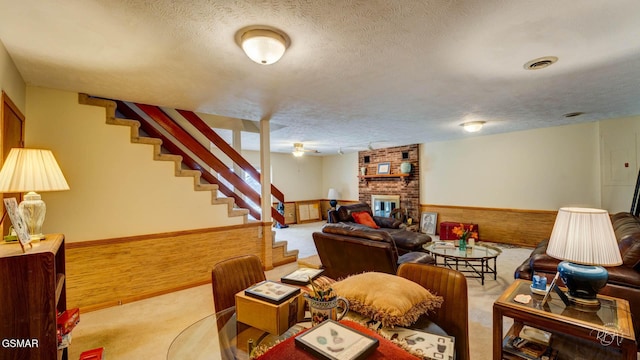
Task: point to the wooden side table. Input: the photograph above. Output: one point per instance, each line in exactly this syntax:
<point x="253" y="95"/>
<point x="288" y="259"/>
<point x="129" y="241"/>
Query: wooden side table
<point x="605" y="333"/>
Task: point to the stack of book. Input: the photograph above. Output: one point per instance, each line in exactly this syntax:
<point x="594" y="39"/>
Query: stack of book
<point x="444" y="245"/>
<point x="530" y="344"/>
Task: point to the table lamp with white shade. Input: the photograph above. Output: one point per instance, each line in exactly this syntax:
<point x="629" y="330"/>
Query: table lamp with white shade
<point x="333" y="197"/>
<point x="585" y="240"/>
<point x="31" y="171"/>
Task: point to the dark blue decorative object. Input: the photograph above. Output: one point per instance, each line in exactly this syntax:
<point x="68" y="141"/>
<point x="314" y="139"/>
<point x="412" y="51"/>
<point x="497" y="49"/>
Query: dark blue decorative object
<point x="583" y="281"/>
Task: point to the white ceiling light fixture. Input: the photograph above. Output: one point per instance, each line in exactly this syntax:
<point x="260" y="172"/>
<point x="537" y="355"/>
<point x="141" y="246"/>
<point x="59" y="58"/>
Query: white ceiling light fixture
<point x="473" y="126"/>
<point x="263" y="44"/>
<point x="298" y="149"/>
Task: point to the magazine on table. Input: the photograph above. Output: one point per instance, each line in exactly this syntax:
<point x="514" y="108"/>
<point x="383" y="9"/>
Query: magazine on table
<point x="272" y="292"/>
<point x="430" y="346"/>
<point x="301" y="276"/>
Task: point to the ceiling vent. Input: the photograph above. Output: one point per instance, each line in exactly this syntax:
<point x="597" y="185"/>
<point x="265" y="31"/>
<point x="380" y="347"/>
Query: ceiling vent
<point x="540" y="63"/>
<point x="573" y="114"/>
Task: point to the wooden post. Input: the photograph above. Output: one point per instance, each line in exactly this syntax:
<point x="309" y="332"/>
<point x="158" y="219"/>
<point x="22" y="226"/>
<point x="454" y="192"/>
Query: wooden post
<point x="265" y="182"/>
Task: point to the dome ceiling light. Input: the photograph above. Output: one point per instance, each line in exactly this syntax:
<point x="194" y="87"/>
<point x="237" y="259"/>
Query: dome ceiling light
<point x="473" y="126"/>
<point x="263" y="44"/>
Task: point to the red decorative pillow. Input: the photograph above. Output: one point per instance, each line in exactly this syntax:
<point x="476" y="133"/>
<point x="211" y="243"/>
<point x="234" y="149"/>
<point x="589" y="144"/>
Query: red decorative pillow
<point x="363" y="217"/>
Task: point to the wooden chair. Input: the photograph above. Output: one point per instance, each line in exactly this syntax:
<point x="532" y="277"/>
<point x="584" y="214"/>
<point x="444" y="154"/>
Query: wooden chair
<point x="453" y="315"/>
<point x="230" y="276"/>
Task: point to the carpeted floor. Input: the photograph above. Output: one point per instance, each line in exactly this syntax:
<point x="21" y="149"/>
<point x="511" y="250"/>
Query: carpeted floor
<point x="145" y="329"/>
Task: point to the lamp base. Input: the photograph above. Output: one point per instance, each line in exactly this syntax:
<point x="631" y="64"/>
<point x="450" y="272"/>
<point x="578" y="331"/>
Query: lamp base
<point x="32" y="209"/>
<point x="583" y="282"/>
<point x="584" y="304"/>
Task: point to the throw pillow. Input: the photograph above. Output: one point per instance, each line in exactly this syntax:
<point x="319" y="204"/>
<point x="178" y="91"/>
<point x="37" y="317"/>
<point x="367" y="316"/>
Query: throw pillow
<point x="363" y="217"/>
<point x="390" y="299"/>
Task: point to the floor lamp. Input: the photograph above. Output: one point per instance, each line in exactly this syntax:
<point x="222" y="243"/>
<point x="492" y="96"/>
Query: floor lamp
<point x="31" y="171"/>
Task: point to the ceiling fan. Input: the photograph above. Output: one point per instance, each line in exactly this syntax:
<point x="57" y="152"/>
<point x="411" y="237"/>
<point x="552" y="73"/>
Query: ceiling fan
<point x="299" y="150"/>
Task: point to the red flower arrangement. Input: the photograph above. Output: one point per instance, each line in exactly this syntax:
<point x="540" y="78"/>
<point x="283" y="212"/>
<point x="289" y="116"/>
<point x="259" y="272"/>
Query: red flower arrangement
<point x="463" y="233"/>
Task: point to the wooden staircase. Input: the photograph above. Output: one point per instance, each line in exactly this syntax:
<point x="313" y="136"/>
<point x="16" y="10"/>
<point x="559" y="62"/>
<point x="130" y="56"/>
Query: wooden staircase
<point x="185" y="166"/>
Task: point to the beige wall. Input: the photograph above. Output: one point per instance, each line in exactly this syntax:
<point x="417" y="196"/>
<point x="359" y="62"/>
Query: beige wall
<point x="298" y="178"/>
<point x="540" y="169"/>
<point x="11" y="81"/>
<point x="340" y="172"/>
<point x="620" y="152"/>
<point x="117" y="189"/>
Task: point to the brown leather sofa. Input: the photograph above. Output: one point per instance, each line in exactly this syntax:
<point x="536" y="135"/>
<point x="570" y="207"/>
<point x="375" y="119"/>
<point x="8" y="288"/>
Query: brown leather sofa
<point x="624" y="280"/>
<point x="346" y="250"/>
<point x="405" y="240"/>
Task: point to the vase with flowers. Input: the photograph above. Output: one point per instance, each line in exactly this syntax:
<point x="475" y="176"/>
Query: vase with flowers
<point x="464" y="233"/>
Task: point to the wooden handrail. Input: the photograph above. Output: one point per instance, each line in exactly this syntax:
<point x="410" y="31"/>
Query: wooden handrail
<point x="199" y="150"/>
<point x="128" y="112"/>
<point x="232" y="153"/>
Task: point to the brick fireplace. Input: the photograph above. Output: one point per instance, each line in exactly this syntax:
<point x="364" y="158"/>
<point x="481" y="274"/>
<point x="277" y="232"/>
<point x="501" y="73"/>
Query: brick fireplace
<point x="408" y="187"/>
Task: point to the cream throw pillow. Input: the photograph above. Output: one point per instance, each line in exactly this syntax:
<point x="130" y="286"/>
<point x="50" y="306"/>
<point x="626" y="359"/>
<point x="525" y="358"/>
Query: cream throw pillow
<point x="390" y="299"/>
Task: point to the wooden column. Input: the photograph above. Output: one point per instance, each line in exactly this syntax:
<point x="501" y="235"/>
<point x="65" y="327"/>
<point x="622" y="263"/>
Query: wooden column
<point x="265" y="182"/>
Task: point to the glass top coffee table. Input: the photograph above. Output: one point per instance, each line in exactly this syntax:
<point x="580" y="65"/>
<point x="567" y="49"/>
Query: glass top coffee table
<point x="475" y="261"/>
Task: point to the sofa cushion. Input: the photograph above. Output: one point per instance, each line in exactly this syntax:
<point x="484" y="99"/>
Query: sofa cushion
<point x="344" y="212"/>
<point x="357" y="230"/>
<point x="630" y="249"/>
<point x="408" y="240"/>
<point x="387" y="298"/>
<point x="364" y="218"/>
<point x="387" y="222"/>
<point x="416" y="257"/>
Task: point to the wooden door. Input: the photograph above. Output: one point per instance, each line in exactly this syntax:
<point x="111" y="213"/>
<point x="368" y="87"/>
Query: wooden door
<point x="12" y="136"/>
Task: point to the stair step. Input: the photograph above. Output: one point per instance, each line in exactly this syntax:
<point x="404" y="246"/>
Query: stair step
<point x="134" y="125"/>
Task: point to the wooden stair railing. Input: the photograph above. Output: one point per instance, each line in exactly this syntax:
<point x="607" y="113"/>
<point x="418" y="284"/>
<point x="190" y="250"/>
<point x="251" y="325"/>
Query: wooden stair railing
<point x="233" y="154"/>
<point x="199" y="150"/>
<point x="187" y="160"/>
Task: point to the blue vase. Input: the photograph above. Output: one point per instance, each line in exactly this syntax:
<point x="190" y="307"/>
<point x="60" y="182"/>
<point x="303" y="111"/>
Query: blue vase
<point x="405" y="167"/>
<point x="583" y="281"/>
<point x="462" y="245"/>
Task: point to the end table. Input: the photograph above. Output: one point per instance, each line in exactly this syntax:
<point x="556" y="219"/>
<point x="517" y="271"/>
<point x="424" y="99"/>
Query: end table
<point x="606" y="332"/>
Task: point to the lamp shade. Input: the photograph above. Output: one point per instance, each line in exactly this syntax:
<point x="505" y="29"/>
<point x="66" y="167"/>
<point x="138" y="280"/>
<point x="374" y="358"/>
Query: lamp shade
<point x="584" y="236"/>
<point x="31" y="170"/>
<point x="333" y="194"/>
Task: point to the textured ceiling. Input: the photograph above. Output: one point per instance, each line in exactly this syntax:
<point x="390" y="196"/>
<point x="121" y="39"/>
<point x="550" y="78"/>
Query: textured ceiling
<point x="380" y="71"/>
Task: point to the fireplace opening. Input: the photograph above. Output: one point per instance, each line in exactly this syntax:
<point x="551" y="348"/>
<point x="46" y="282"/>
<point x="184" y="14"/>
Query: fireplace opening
<point x="383" y="205"/>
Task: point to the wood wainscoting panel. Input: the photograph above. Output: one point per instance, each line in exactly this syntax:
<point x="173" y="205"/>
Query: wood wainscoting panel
<point x="507" y="226"/>
<point x="110" y="272"/>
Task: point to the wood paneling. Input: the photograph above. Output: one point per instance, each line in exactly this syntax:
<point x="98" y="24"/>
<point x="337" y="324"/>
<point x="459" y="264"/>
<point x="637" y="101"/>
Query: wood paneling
<point x="507" y="226"/>
<point x="12" y="136"/>
<point x="308" y="211"/>
<point x="109" y="272"/>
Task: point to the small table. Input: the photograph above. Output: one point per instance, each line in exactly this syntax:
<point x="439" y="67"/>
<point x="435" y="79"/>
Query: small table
<point x="603" y="333"/>
<point x="476" y="259"/>
<point x="220" y="335"/>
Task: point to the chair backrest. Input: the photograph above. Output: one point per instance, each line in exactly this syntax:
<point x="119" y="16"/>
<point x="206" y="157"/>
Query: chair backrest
<point x="343" y="255"/>
<point x="230" y="276"/>
<point x="453" y="315"/>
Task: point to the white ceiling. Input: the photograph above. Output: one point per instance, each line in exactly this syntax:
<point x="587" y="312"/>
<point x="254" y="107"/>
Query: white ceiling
<point x="381" y="71"/>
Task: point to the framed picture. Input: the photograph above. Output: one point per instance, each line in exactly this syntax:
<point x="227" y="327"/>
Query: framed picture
<point x="384" y="168"/>
<point x="428" y="222"/>
<point x="272" y="292"/>
<point x="432" y="346"/>
<point x="19" y="226"/>
<point x="333" y="341"/>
